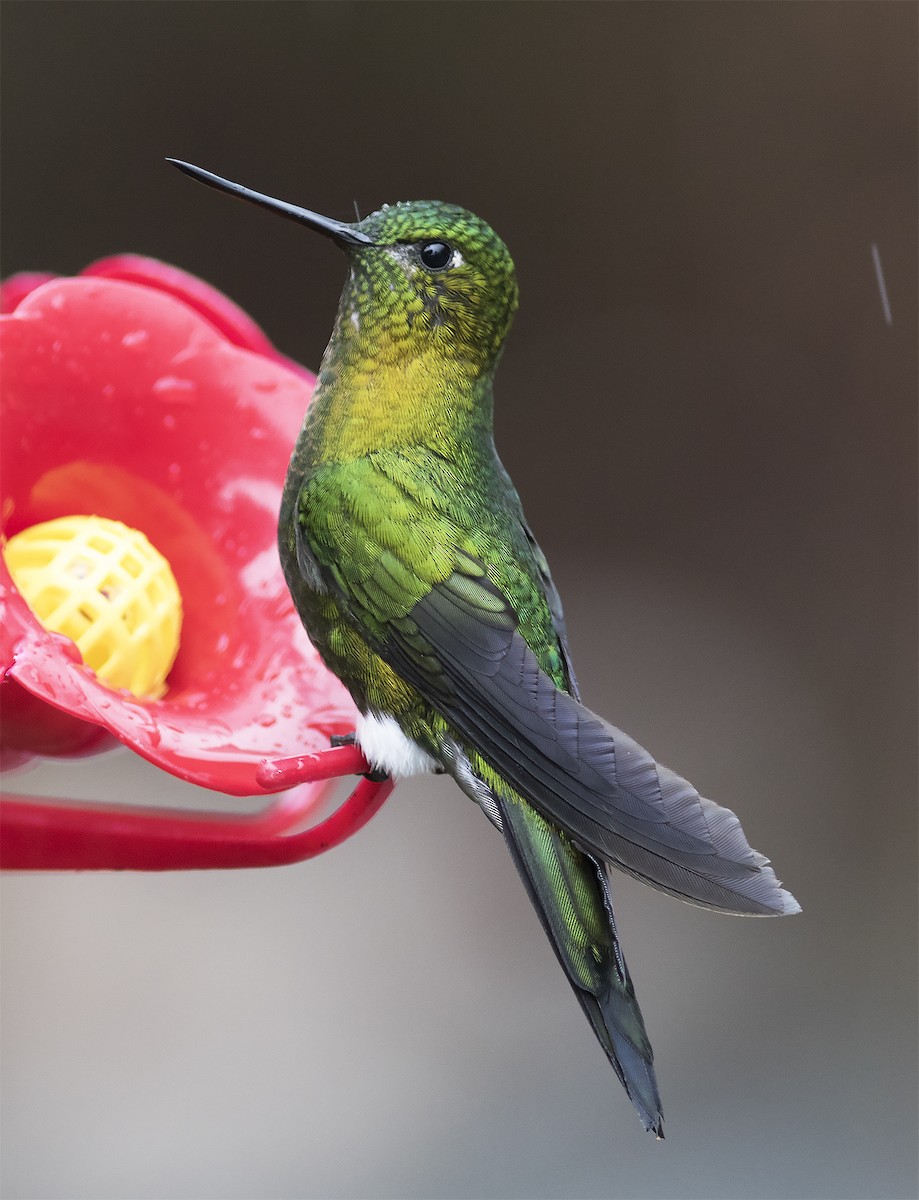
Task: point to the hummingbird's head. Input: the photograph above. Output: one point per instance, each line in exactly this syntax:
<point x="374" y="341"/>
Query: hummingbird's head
<point x="426" y="278"/>
<point x="431" y="276"/>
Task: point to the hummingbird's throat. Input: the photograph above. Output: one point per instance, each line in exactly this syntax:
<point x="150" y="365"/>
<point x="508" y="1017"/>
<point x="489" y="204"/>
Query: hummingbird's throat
<point x="372" y="396"/>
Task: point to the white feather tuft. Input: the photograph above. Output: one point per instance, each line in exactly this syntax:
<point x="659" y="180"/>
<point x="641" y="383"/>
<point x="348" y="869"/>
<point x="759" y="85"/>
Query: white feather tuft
<point x="388" y="749"/>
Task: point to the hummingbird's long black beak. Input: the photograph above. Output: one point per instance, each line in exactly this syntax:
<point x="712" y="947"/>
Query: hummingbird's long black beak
<point x="338" y="231"/>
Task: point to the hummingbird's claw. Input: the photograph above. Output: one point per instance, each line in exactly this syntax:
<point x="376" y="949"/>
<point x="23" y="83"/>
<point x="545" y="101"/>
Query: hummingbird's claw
<point x="376" y="776"/>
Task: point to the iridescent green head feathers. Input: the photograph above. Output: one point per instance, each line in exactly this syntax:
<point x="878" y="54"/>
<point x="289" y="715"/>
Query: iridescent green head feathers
<point x="437" y="276"/>
<point x="426" y="279"/>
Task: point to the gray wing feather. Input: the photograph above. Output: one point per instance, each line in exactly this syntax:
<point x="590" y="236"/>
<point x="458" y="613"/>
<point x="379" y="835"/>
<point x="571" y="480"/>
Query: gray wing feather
<point x="578" y="770"/>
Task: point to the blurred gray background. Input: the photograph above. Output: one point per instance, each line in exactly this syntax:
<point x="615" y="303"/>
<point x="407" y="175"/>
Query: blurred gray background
<point x="713" y="429"/>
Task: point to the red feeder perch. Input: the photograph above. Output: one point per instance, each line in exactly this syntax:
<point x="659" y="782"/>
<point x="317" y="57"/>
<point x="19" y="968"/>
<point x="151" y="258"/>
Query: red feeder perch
<point x="138" y="393"/>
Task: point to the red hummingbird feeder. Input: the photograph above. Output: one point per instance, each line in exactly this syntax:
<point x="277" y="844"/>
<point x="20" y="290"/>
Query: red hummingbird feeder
<point x="147" y="425"/>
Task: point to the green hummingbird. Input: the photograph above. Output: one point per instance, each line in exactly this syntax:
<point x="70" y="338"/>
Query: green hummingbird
<point x="417" y="577"/>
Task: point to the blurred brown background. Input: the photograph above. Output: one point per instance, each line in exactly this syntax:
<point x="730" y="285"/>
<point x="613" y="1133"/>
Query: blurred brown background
<point x="713" y="429"/>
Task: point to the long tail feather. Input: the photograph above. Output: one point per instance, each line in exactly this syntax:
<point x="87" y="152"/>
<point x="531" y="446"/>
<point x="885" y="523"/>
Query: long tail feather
<point x="570" y="892"/>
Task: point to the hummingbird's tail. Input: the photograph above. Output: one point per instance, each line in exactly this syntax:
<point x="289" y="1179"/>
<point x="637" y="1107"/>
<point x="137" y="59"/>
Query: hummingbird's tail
<point x="570" y="891"/>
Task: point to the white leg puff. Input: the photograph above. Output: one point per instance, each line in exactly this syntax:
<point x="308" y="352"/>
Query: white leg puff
<point x="388" y="749"/>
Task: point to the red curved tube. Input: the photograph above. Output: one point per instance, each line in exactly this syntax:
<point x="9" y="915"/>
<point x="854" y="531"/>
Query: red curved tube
<point x="37" y="836"/>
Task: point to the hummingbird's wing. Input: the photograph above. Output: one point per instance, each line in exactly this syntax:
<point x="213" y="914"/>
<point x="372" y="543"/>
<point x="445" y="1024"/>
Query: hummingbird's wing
<point x="570" y="764"/>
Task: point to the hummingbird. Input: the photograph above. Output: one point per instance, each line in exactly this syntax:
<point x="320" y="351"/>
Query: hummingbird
<point x="409" y="559"/>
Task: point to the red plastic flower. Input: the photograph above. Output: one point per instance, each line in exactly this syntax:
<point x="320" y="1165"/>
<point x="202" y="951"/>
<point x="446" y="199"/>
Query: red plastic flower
<point x="139" y="393"/>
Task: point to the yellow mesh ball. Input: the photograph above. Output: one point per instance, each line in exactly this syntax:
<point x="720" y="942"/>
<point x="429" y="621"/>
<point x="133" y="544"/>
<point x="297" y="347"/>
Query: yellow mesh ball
<point x="104" y="586"/>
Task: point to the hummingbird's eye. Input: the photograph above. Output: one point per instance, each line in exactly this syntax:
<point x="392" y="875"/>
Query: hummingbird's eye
<point x="436" y="255"/>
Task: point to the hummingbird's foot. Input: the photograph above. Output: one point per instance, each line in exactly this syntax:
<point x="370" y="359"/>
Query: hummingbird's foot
<point x="348" y="739"/>
<point x="376" y="776"/>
